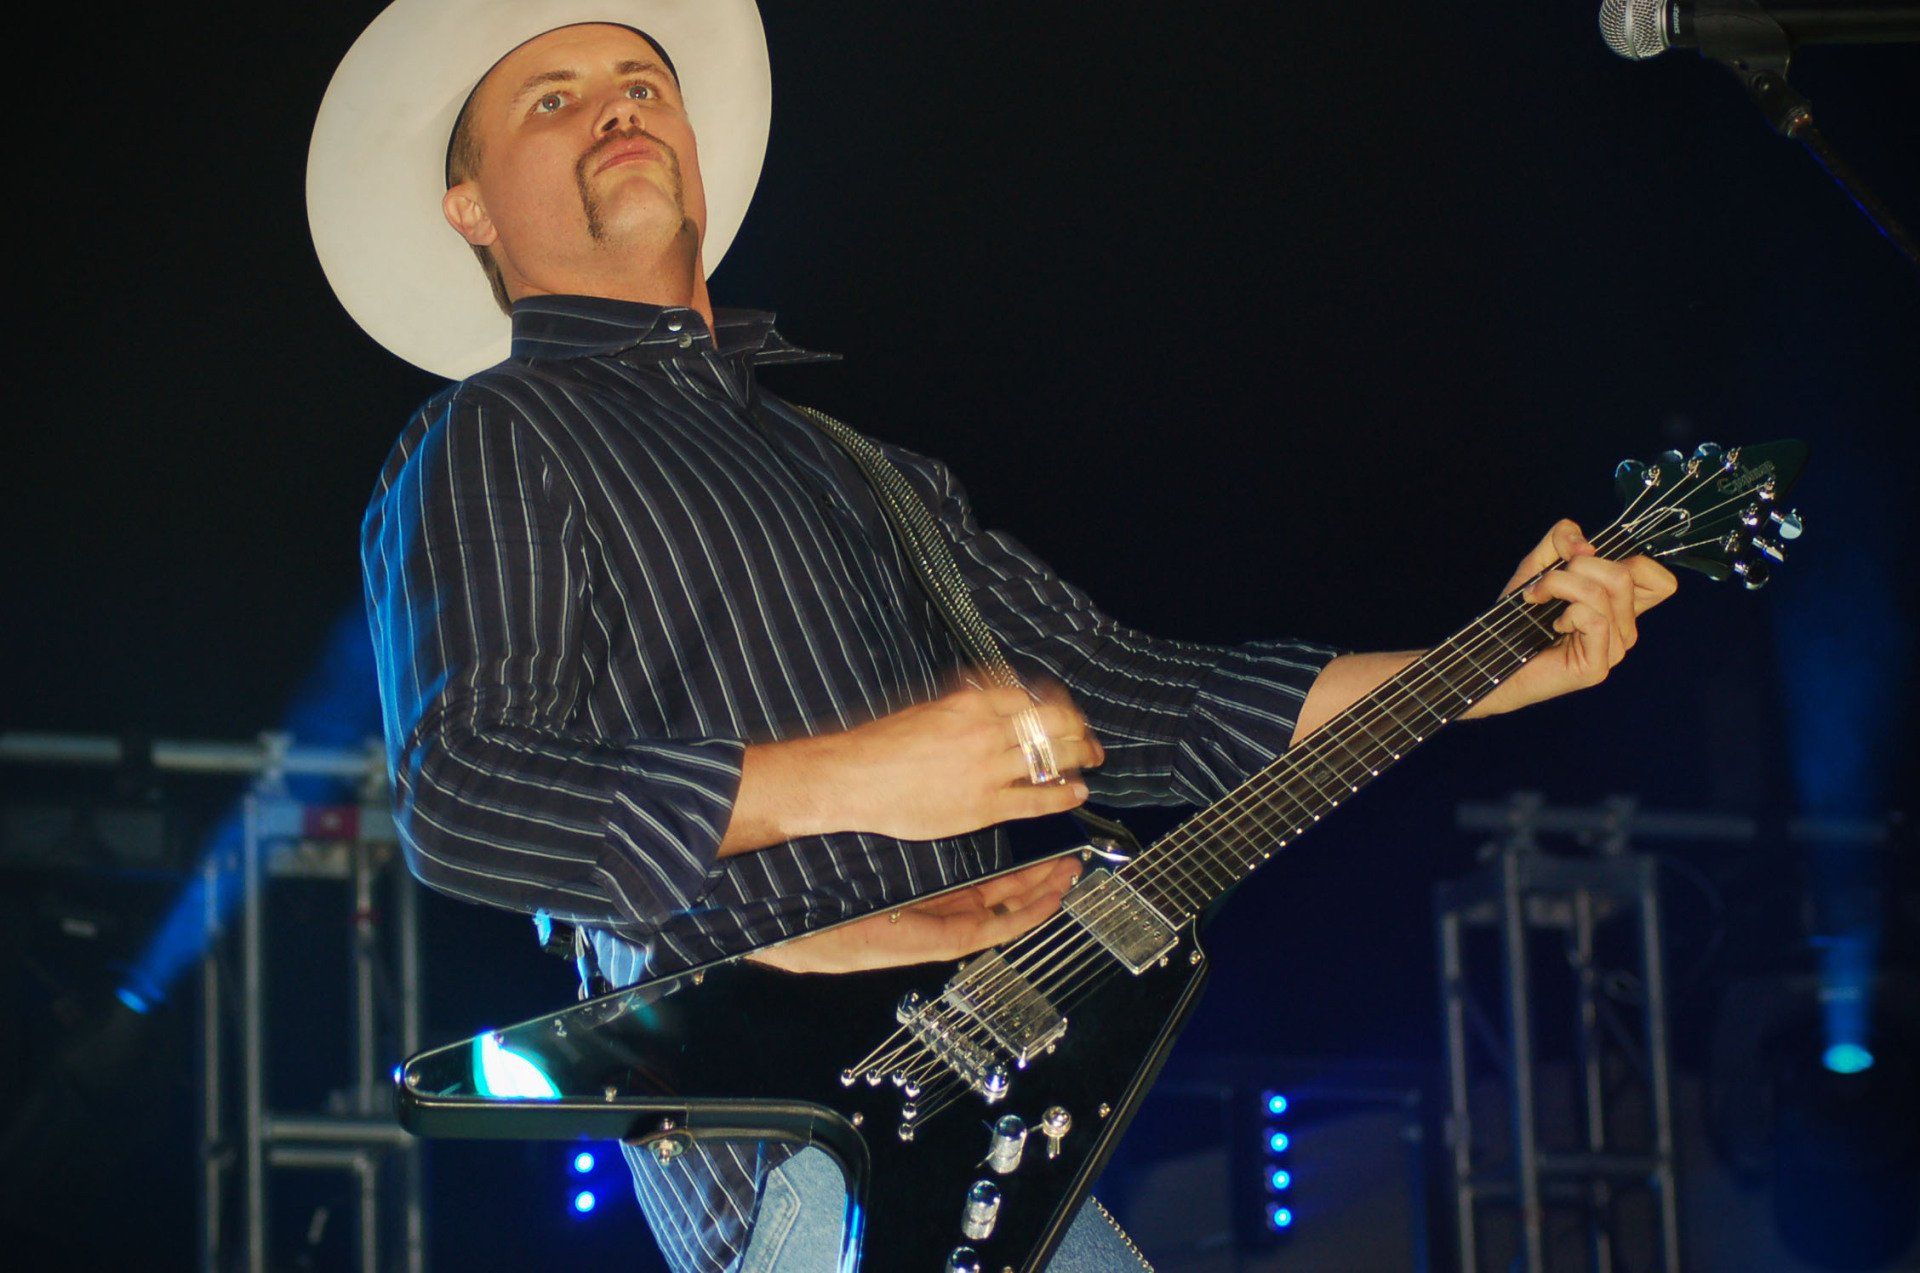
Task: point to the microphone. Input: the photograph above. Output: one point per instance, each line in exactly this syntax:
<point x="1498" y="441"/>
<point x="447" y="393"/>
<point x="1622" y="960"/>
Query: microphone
<point x="1640" y="29"/>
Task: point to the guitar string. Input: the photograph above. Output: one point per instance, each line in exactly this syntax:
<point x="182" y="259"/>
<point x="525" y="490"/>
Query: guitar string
<point x="1073" y="961"/>
<point x="1231" y="807"/>
<point x="1064" y="990"/>
<point x="1076" y="934"/>
<point x="884" y="1055"/>
<point x="1490" y="636"/>
<point x="1070" y="993"/>
<point x="1265" y="824"/>
<point x="1186" y="874"/>
<point x="1631" y="524"/>
<point x="1534" y="615"/>
<point x="925" y="533"/>
<point x="1062" y="972"/>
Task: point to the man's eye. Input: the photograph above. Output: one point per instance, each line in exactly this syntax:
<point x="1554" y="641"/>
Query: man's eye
<point x="641" y="92"/>
<point x="550" y="103"/>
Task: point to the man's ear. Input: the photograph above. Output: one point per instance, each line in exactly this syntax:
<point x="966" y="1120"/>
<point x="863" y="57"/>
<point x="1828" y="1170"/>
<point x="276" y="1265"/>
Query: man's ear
<point x="468" y="215"/>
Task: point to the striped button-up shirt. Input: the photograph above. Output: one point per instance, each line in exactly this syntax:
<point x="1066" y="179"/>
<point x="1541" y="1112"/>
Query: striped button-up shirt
<point x="600" y="570"/>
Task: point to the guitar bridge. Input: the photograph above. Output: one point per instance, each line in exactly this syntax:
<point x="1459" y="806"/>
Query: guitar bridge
<point x="989" y="998"/>
<point x="1124" y="923"/>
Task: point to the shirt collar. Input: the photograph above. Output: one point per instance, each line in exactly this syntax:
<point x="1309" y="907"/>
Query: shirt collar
<point x="546" y="327"/>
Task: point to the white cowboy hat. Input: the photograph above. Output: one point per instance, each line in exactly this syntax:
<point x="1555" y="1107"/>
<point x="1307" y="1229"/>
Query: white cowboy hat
<point x="376" y="168"/>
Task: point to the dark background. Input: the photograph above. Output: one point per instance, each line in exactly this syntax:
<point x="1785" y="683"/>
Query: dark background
<point x="1253" y="319"/>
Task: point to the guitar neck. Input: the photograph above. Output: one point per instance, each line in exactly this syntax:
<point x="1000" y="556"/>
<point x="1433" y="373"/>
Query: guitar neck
<point x="1210" y="852"/>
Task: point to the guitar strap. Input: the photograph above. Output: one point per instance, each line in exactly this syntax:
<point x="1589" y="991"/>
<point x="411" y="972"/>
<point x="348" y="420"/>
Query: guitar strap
<point x="926" y="548"/>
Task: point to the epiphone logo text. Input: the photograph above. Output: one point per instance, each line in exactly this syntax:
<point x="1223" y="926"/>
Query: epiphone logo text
<point x="1746" y="481"/>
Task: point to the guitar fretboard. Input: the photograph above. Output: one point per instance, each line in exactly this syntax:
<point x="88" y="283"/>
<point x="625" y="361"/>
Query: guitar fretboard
<point x="1216" y="848"/>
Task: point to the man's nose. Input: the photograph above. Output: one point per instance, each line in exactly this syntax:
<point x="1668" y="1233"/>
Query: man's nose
<point x="618" y="112"/>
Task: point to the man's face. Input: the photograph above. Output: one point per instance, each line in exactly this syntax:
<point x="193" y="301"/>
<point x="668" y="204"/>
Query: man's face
<point x="586" y="160"/>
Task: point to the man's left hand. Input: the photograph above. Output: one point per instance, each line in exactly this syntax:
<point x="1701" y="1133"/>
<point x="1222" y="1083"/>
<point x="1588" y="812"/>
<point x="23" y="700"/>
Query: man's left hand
<point x="1604" y="602"/>
<point x="949" y="926"/>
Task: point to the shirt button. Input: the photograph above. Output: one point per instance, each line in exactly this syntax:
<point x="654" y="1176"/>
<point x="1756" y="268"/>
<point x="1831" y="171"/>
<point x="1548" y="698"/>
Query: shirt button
<point x="686" y="342"/>
<point x="674" y="324"/>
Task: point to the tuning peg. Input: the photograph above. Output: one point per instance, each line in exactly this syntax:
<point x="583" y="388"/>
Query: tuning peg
<point x="1672" y="457"/>
<point x="1711" y="453"/>
<point x="1789" y="523"/>
<point x="1754" y="574"/>
<point x="1632" y="478"/>
<point x="1769" y="549"/>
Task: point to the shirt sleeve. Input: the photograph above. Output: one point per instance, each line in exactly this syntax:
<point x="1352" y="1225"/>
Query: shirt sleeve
<point x="1182" y="722"/>
<point x="476" y="588"/>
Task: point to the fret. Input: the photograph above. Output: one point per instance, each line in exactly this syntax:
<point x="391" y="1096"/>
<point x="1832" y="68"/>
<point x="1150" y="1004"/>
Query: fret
<point x="1208" y="853"/>
<point x="1215" y="848"/>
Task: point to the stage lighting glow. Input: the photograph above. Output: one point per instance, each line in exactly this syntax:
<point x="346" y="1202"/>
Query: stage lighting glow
<point x="336" y="707"/>
<point x="1280" y="1180"/>
<point x="499" y="1071"/>
<point x="1847" y="1058"/>
<point x="132" y="1000"/>
<point x="1277" y="1142"/>
<point x="584" y="1201"/>
<point x="1279" y="1218"/>
<point x="1276" y="1103"/>
<point x="583" y="1162"/>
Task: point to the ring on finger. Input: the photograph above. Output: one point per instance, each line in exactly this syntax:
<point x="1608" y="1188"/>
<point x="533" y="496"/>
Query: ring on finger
<point x="1035" y="747"/>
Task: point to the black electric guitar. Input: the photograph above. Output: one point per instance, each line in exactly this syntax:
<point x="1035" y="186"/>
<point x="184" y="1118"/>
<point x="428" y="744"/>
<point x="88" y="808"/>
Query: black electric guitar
<point x="971" y="1110"/>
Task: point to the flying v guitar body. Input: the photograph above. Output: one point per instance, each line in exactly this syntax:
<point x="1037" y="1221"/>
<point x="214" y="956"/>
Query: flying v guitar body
<point x="742" y="1051"/>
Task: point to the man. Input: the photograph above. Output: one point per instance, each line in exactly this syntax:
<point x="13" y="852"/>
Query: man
<point x="650" y="656"/>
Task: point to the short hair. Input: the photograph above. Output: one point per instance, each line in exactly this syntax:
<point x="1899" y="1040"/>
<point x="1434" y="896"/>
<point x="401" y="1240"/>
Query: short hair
<point x="463" y="162"/>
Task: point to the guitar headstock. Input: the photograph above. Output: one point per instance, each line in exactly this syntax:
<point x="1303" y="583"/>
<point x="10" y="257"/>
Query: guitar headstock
<point x="1716" y="511"/>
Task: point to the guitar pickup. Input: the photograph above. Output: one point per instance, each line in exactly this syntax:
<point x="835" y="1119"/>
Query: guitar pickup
<point x="1124" y="923"/>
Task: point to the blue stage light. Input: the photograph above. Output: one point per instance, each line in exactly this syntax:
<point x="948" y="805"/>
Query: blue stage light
<point x="1276" y="1103"/>
<point x="1279" y="1218"/>
<point x="132" y="1000"/>
<point x="1847" y="1058"/>
<point x="1280" y="1180"/>
<point x="584" y="1201"/>
<point x="583" y="1162"/>
<point x="1277" y="1142"/>
<point x="335" y="707"/>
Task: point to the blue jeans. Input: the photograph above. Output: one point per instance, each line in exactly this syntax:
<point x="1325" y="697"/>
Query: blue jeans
<point x="802" y="1211"/>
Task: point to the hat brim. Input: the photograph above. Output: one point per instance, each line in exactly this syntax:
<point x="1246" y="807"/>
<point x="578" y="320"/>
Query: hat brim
<point x="376" y="165"/>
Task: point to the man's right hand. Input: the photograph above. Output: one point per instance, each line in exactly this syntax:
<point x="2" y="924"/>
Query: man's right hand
<point x="941" y="768"/>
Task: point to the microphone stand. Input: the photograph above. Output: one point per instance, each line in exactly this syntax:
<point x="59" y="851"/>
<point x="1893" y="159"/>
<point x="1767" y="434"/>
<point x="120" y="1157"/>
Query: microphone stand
<point x="1746" y="39"/>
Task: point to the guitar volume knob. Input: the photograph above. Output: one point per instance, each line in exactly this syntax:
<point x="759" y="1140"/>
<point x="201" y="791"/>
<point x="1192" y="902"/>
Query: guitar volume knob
<point x="983" y="1211"/>
<point x="1008" y="1144"/>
